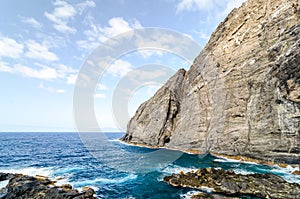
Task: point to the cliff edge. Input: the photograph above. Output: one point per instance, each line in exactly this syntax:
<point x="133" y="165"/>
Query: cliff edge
<point x="241" y="96"/>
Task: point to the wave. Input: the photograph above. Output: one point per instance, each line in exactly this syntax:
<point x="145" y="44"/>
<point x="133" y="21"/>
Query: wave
<point x="93" y="187"/>
<point x="3" y="184"/>
<point x="286" y="173"/>
<point x="176" y="169"/>
<point x="60" y="175"/>
<point x="95" y="181"/>
<point x="31" y="171"/>
<point x="189" y="194"/>
<point x="242" y="171"/>
<point x="224" y="160"/>
<point x="287" y="169"/>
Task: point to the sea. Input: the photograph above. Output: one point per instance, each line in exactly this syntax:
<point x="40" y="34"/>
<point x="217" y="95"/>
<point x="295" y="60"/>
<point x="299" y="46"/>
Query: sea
<point x="64" y="157"/>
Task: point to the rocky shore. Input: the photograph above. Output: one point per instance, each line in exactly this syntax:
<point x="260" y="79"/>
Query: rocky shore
<point x="39" y="187"/>
<point x="228" y="183"/>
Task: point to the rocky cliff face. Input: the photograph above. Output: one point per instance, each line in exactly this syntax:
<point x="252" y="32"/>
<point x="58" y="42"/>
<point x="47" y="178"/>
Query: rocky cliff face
<point x="241" y="96"/>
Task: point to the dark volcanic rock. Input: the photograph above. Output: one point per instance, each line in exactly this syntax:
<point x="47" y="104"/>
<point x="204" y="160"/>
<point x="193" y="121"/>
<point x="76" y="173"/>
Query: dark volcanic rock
<point x="23" y="187"/>
<point x="210" y="196"/>
<point x="241" y="96"/>
<point x="5" y="176"/>
<point x="231" y="184"/>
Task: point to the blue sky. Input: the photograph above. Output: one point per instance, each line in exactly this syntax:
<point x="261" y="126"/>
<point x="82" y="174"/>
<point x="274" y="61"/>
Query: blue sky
<point x="43" y="45"/>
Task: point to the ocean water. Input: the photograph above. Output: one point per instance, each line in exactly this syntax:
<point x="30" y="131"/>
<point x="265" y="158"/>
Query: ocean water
<point x="63" y="156"/>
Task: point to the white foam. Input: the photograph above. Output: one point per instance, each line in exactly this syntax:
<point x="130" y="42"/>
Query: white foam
<point x="83" y="183"/>
<point x="226" y="160"/>
<point x="62" y="181"/>
<point x="3" y="184"/>
<point x="223" y="159"/>
<point x="176" y="169"/>
<point x="67" y="170"/>
<point x="292" y="178"/>
<point x="286" y="173"/>
<point x="160" y="178"/>
<point x="45" y="171"/>
<point x="31" y="171"/>
<point x="242" y="171"/>
<point x="92" y="187"/>
<point x="288" y="169"/>
<point x="189" y="194"/>
<point x="207" y="189"/>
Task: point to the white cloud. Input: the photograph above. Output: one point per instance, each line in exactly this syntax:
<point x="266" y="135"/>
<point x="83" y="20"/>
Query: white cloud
<point x="63" y="27"/>
<point x="101" y="87"/>
<point x="39" y="51"/>
<point x="63" y="70"/>
<point x="160" y="42"/>
<point x="61" y="15"/>
<point x="42" y="72"/>
<point x="88" y="45"/>
<point x="148" y="53"/>
<point x="136" y="24"/>
<point x="97" y="34"/>
<point x="4" y="67"/>
<point x="193" y="5"/>
<point x="32" y="22"/>
<point x="84" y="5"/>
<point x="63" y="12"/>
<point x="116" y="26"/>
<point x="51" y="89"/>
<point x="46" y="73"/>
<point x="71" y="79"/>
<point x="10" y="48"/>
<point x="119" y="68"/>
<point x="63" y="9"/>
<point x="100" y="95"/>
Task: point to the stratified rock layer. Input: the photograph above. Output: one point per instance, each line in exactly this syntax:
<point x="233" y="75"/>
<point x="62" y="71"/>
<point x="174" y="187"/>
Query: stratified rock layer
<point x="241" y="96"/>
<point x="231" y="184"/>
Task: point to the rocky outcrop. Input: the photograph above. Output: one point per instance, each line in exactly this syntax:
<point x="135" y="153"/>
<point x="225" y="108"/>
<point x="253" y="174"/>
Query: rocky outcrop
<point x="39" y="187"/>
<point x="228" y="183"/>
<point x="202" y="195"/>
<point x="241" y="96"/>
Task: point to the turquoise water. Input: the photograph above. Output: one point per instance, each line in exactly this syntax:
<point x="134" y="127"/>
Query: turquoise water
<point x="62" y="155"/>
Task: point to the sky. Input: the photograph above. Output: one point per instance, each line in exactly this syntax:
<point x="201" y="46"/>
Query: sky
<point x="44" y="44"/>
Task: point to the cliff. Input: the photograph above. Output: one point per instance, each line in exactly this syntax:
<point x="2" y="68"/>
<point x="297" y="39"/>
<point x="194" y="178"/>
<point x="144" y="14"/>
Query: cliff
<point x="241" y="96"/>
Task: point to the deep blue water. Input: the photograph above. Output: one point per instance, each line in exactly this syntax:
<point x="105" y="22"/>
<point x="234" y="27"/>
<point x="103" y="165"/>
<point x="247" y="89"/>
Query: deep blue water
<point x="63" y="155"/>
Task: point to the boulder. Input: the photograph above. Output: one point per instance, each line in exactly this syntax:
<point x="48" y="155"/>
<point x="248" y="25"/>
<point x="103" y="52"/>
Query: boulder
<point x="23" y="186"/>
<point x="228" y="183"/>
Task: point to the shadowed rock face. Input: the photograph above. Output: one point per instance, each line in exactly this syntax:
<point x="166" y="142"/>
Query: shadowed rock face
<point x="241" y="96"/>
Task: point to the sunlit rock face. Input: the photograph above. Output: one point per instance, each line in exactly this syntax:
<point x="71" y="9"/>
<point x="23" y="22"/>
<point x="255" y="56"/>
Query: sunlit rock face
<point x="241" y="96"/>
